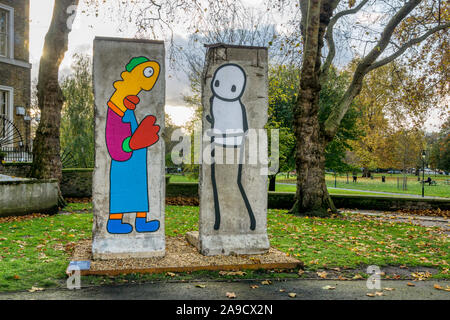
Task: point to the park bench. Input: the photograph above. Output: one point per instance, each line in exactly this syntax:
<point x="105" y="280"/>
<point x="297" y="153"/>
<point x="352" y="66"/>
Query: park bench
<point x="431" y="183"/>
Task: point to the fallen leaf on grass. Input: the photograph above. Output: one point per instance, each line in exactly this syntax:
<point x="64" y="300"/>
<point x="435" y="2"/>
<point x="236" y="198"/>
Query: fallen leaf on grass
<point x="254" y="286"/>
<point x="410" y="284"/>
<point x="421" y="275"/>
<point x="170" y="274"/>
<point x="34" y="289"/>
<point x="282" y="290"/>
<point x="328" y="288"/>
<point x="322" y="274"/>
<point x="266" y="282"/>
<point x="232" y="273"/>
<point x="336" y="269"/>
<point x="389" y="289"/>
<point x="301" y="272"/>
<point x="16" y="277"/>
<point x="292" y="295"/>
<point x="231" y="295"/>
<point x="357" y="276"/>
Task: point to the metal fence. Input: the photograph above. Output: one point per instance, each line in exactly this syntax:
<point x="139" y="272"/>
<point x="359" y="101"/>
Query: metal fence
<point x="20" y="154"/>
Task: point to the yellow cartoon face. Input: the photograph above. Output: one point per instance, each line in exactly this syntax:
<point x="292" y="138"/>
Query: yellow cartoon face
<point x="143" y="76"/>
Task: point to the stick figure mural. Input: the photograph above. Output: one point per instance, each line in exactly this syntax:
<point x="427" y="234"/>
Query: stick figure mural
<point x="229" y="126"/>
<point x="232" y="185"/>
<point x="127" y="143"/>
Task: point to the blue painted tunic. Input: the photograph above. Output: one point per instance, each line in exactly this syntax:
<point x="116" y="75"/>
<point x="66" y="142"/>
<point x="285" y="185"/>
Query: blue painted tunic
<point x="128" y="179"/>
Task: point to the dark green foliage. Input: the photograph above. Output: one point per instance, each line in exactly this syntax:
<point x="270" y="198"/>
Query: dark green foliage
<point x="439" y="153"/>
<point x="184" y="189"/>
<point x="285" y="200"/>
<point x="77" y="122"/>
<point x="283" y="89"/>
<point x="330" y="95"/>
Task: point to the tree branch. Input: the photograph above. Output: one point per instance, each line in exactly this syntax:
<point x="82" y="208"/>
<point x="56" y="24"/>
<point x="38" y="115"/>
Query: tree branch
<point x="406" y="46"/>
<point x="332" y="123"/>
<point x="330" y="41"/>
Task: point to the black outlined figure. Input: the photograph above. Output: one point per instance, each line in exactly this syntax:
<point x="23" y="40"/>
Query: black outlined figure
<point x="229" y="126"/>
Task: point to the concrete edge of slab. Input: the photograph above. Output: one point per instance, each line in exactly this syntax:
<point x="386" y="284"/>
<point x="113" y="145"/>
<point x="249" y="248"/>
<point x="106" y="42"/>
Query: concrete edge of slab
<point x="254" y="266"/>
<point x="145" y="247"/>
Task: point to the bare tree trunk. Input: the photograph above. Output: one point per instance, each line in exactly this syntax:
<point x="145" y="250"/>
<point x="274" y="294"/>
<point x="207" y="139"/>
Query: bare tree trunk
<point x="46" y="147"/>
<point x="312" y="197"/>
<point x="312" y="137"/>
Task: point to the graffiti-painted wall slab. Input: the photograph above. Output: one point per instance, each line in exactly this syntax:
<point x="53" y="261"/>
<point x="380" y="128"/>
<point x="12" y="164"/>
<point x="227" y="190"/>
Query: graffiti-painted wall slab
<point x="233" y="188"/>
<point x="128" y="180"/>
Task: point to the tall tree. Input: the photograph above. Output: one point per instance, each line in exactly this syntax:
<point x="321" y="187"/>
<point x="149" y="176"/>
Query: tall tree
<point x="46" y="147"/>
<point x="405" y="28"/>
<point x="283" y="92"/>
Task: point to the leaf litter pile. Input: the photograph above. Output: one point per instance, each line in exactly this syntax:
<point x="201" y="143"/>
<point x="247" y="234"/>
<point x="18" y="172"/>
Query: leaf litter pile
<point x="182" y="256"/>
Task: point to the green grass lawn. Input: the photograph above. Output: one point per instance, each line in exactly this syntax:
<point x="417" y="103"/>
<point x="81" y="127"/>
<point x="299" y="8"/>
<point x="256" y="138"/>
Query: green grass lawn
<point x="364" y="184"/>
<point x="180" y="178"/>
<point x="292" y="188"/>
<point x="413" y="186"/>
<point x="32" y="252"/>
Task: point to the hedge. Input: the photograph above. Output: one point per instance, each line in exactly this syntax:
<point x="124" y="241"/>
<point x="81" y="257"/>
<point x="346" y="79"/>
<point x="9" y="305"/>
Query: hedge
<point x="78" y="183"/>
<point x="285" y="200"/>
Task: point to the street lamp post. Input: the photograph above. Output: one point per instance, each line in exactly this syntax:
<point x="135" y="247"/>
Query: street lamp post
<point x="423" y="172"/>
<point x="335" y="178"/>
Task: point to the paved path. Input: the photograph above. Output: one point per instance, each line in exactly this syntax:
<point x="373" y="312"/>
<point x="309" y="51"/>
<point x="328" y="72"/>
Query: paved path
<point x="278" y="290"/>
<point x="9" y="178"/>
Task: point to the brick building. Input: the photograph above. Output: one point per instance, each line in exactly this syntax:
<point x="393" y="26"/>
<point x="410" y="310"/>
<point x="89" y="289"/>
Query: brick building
<point x="15" y="69"/>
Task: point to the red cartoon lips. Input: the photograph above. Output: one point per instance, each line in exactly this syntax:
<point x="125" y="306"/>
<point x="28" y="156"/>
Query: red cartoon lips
<point x="130" y="102"/>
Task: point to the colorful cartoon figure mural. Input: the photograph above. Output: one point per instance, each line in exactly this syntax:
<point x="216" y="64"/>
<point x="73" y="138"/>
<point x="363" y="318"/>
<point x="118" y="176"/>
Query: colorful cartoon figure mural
<point x="229" y="126"/>
<point x="127" y="143"/>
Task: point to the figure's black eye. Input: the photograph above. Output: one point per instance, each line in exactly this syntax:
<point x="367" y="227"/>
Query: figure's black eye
<point x="233" y="88"/>
<point x="217" y="83"/>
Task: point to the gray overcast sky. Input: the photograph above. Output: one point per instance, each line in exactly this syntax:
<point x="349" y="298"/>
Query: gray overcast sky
<point x="81" y="38"/>
<point x="86" y="27"/>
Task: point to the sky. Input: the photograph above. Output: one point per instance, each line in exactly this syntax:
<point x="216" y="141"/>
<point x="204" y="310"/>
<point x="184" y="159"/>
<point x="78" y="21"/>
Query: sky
<point x="87" y="27"/>
<point x="84" y="30"/>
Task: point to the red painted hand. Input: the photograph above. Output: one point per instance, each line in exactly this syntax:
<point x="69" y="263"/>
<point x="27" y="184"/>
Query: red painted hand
<point x="130" y="102"/>
<point x="146" y="134"/>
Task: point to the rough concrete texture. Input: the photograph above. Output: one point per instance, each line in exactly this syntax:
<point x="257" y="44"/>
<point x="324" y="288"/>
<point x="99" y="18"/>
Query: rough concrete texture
<point x="235" y="235"/>
<point x="110" y="58"/>
<point x="22" y="197"/>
